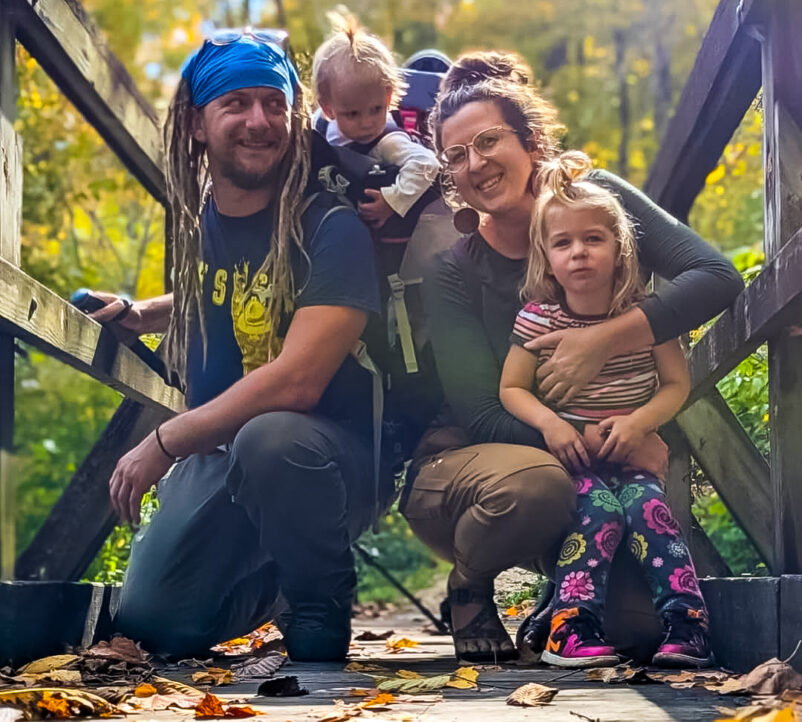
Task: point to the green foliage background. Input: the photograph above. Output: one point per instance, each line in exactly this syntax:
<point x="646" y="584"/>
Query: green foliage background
<point x="614" y="68"/>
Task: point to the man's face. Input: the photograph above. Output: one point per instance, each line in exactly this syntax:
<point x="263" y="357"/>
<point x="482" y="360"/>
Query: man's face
<point x="246" y="133"/>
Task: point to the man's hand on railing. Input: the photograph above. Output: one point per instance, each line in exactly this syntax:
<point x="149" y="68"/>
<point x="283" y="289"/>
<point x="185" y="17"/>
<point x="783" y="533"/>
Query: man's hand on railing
<point x="130" y="319"/>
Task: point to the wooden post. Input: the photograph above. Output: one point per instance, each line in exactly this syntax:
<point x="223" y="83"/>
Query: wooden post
<point x="10" y="209"/>
<point x="781" y="55"/>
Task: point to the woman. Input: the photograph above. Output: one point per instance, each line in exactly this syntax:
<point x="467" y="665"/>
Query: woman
<point x="482" y="493"/>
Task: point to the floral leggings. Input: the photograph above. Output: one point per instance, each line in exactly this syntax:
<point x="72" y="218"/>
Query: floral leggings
<point x="609" y="501"/>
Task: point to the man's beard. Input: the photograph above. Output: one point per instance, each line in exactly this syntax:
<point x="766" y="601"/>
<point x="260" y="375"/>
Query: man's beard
<point x="248" y="180"/>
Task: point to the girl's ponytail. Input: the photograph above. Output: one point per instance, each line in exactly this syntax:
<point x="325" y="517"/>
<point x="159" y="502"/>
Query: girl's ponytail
<point x="556" y="176"/>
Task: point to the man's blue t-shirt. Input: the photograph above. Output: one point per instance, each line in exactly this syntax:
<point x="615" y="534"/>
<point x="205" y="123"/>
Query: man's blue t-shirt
<point x="339" y="272"/>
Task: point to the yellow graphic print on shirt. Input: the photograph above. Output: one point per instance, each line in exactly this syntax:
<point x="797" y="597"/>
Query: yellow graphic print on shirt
<point x="251" y="319"/>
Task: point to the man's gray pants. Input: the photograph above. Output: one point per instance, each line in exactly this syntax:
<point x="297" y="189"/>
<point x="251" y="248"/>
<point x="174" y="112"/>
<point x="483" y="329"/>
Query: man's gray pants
<point x="278" y="511"/>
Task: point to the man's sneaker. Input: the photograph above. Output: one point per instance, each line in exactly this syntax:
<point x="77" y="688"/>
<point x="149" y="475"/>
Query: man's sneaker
<point x="576" y="641"/>
<point x="318" y="630"/>
<point x="687" y="642"/>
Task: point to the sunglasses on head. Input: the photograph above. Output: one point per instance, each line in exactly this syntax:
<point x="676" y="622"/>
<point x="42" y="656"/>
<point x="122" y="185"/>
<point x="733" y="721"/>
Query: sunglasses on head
<point x="267" y="36"/>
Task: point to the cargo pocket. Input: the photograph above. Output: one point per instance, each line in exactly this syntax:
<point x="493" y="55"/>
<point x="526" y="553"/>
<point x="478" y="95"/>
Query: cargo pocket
<point x="426" y="498"/>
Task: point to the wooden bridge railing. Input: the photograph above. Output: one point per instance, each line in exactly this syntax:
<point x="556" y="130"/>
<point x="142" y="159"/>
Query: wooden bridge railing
<point x="750" y="43"/>
<point x="69" y="47"/>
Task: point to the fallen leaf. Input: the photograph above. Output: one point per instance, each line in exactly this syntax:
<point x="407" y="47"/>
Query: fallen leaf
<point x="210" y="707"/>
<point x="257" y="639"/>
<point x="158" y="702"/>
<point x="359" y="667"/>
<point x="168" y="686"/>
<point x="380" y="700"/>
<point x="618" y="675"/>
<point x="512" y="611"/>
<point x="261" y="667"/>
<point x="396" y="645"/>
<point x="759" y="713"/>
<point x="772" y="677"/>
<point x="47" y="664"/>
<point x="532" y="695"/>
<point x="281" y="687"/>
<point x="67" y="677"/>
<point x="61" y="703"/>
<point x="236" y="712"/>
<point x="370" y="636"/>
<point x="362" y="692"/>
<point x="408" y="674"/>
<point x="145" y="690"/>
<point x="462" y="678"/>
<point x="120" y="648"/>
<point x="215" y="676"/>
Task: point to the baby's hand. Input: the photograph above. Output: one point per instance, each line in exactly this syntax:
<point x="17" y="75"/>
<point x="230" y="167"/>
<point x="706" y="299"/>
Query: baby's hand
<point x="376" y="211"/>
<point x="565" y="442"/>
<point x="624" y="435"/>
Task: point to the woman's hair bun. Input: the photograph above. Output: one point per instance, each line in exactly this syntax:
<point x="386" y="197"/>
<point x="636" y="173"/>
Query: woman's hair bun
<point x="476" y="67"/>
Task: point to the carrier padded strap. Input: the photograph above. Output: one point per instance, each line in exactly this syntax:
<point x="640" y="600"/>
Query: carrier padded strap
<point x="402" y="324"/>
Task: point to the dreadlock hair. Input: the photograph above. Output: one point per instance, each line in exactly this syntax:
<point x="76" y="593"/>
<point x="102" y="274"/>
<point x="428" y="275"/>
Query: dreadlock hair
<point x="352" y="52"/>
<point x="188" y="186"/>
<point x="564" y="182"/>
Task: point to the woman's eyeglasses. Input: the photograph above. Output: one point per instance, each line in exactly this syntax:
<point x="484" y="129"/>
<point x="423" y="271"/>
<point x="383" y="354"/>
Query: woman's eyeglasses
<point x="485" y="143"/>
<point x="226" y="36"/>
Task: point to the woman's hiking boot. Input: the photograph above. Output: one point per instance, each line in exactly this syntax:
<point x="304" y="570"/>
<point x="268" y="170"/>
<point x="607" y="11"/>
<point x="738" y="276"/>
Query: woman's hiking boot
<point x="687" y="640"/>
<point x="577" y="641"/>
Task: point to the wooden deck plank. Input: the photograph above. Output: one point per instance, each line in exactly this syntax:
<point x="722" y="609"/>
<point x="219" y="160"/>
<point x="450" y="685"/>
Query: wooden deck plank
<point x="35" y="314"/>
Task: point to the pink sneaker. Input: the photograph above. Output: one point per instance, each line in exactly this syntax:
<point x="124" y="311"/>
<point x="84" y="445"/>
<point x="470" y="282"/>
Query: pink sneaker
<point x="686" y="643"/>
<point x="576" y="641"/>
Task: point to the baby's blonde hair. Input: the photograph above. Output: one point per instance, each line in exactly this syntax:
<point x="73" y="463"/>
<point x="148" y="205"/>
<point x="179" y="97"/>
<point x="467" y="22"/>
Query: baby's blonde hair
<point x="564" y="180"/>
<point x="352" y="52"/>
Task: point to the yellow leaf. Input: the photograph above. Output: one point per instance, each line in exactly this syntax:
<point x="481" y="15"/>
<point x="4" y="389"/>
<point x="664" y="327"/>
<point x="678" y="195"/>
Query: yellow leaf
<point x="511" y="611"/>
<point x="145" y="690"/>
<point x="48" y="664"/>
<point x="400" y="643"/>
<point x="380" y="699"/>
<point x="464" y="678"/>
<point x="715" y="175"/>
<point x="407" y="674"/>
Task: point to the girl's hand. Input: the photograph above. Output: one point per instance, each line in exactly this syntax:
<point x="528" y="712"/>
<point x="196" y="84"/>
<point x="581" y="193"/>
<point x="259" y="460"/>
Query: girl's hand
<point x="565" y="442"/>
<point x="579" y="355"/>
<point x="124" y="317"/>
<point x="624" y="436"/>
<point x="651" y="456"/>
<point x="377" y="211"/>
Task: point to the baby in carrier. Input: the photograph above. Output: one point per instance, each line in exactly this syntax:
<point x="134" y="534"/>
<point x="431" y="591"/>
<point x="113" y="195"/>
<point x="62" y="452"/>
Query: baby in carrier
<point x="357" y="82"/>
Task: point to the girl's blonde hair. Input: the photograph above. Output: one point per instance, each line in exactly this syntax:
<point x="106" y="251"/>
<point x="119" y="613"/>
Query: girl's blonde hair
<point x="352" y="52"/>
<point x="564" y="181"/>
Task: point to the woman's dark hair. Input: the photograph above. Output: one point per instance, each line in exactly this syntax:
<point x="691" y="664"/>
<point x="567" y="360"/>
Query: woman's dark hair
<point x="503" y="79"/>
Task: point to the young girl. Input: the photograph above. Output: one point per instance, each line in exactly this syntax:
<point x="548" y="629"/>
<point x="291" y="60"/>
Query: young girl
<point x="356" y="82"/>
<point x="582" y="270"/>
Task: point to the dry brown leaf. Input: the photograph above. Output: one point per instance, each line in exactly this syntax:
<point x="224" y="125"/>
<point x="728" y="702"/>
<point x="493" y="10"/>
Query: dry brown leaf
<point x="68" y="677"/>
<point x="57" y="702"/>
<point x="209" y="707"/>
<point x="532" y="695"/>
<point x="145" y="690"/>
<point x="408" y="674"/>
<point x="619" y="675"/>
<point x="396" y="645"/>
<point x="120" y="648"/>
<point x="238" y="712"/>
<point x="168" y="686"/>
<point x="359" y="667"/>
<point x="215" y="676"/>
<point x="259" y="667"/>
<point x="362" y="691"/>
<point x="772" y="677"/>
<point x="47" y="664"/>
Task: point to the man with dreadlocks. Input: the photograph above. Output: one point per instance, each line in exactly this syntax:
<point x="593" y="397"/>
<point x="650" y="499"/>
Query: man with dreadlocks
<point x="273" y="288"/>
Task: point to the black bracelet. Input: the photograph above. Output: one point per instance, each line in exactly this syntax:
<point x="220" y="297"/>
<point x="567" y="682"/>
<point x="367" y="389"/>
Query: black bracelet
<point x="172" y="457"/>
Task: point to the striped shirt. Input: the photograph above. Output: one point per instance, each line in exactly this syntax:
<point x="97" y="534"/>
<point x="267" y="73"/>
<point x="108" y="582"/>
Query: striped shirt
<point x="625" y="382"/>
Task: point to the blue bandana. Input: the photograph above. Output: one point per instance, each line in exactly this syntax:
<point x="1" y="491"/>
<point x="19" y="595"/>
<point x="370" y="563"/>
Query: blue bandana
<point x="214" y="70"/>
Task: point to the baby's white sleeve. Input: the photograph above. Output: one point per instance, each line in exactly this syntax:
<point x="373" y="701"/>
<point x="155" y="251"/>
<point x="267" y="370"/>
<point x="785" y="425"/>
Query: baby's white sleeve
<point x="418" y="168"/>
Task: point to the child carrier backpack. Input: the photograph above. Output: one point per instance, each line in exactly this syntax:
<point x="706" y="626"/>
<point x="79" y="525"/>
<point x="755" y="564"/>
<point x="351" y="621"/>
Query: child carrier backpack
<point x="398" y="342"/>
